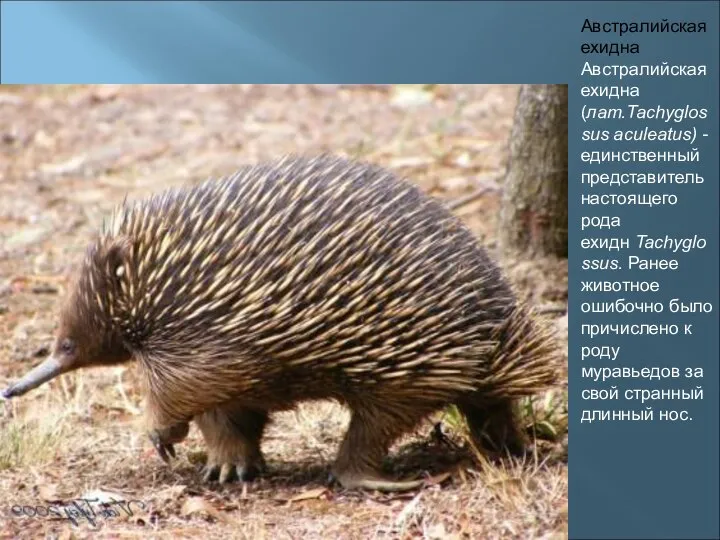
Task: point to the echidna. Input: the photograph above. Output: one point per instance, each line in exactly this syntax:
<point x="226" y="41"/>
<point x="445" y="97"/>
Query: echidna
<point x="302" y="279"/>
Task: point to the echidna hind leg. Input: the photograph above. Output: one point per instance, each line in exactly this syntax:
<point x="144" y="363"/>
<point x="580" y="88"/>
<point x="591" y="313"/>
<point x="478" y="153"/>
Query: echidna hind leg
<point x="233" y="436"/>
<point x="494" y="427"/>
<point x="359" y="460"/>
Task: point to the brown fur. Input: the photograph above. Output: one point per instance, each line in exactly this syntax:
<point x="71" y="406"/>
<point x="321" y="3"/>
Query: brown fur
<point x="306" y="279"/>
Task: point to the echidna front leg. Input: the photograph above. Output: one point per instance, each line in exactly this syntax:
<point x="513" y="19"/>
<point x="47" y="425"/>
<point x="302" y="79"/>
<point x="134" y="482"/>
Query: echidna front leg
<point x="233" y="434"/>
<point x="163" y="429"/>
<point x="368" y="438"/>
<point x="494" y="427"/>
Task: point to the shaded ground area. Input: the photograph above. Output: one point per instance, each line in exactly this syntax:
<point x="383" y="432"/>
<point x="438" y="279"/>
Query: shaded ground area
<point x="69" y="154"/>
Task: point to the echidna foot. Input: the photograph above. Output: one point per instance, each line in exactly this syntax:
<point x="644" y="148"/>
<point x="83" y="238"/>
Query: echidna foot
<point x="494" y="428"/>
<point x="231" y="472"/>
<point x="233" y="434"/>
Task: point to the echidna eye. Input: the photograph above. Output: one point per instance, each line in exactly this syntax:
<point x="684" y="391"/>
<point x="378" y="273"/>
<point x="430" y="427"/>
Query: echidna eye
<point x="67" y="346"/>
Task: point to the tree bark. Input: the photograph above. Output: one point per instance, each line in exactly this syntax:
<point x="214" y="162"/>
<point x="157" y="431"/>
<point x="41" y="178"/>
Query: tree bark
<point x="534" y="211"/>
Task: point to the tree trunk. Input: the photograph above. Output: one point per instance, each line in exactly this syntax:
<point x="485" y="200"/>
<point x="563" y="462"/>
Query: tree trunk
<point x="534" y="209"/>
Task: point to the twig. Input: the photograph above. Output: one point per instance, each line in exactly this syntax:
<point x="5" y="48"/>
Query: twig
<point x="486" y="185"/>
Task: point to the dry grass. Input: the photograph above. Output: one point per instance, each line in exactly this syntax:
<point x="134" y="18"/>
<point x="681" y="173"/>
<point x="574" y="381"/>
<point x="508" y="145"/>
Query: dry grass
<point x="67" y="154"/>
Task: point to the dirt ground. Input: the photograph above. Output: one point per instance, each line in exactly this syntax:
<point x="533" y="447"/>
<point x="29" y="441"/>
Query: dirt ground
<point x="69" y="154"/>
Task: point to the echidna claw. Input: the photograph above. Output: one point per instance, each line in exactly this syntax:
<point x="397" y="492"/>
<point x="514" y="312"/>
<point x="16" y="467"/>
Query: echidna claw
<point x="210" y="473"/>
<point x="162" y="449"/>
<point x="223" y="474"/>
<point x="229" y="472"/>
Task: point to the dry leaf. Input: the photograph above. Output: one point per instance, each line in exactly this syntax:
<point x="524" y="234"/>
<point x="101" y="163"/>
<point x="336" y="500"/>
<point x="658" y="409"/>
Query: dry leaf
<point x="26" y="236"/>
<point x="49" y="492"/>
<point x="43" y="140"/>
<point x="104" y="93"/>
<point x="411" y="161"/>
<point x="463" y="160"/>
<point x="199" y="506"/>
<point x="437" y="532"/>
<point x="171" y="493"/>
<point x="455" y="183"/>
<point x="411" y="95"/>
<point x="103" y="496"/>
<point x="11" y="99"/>
<point x="70" y="166"/>
<point x="307" y="495"/>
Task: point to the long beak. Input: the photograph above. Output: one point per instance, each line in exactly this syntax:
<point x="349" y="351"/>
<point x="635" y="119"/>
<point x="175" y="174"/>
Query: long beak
<point x="49" y="369"/>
